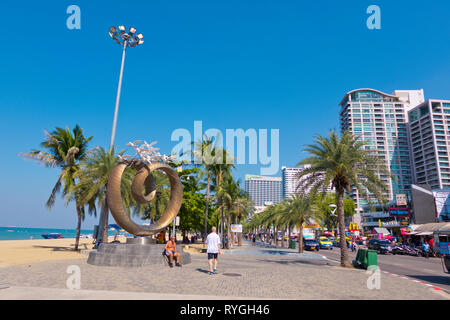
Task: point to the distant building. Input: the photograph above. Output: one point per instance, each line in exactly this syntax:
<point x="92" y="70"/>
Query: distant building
<point x="290" y="181"/>
<point x="429" y="126"/>
<point x="381" y="121"/>
<point x="289" y="178"/>
<point x="263" y="190"/>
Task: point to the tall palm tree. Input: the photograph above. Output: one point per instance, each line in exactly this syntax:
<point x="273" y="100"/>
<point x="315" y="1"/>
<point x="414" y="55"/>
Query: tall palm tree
<point x="93" y="181"/>
<point x="203" y="150"/>
<point x="342" y="162"/>
<point x="221" y="167"/>
<point x="64" y="149"/>
<point x="299" y="213"/>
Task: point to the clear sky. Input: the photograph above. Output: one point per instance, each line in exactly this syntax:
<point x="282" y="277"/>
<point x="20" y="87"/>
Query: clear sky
<point x="231" y="64"/>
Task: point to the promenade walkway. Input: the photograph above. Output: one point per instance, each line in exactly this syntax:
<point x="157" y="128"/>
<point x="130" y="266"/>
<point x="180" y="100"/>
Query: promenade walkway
<point x="244" y="273"/>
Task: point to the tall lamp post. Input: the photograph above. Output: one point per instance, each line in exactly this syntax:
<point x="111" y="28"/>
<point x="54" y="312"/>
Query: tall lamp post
<point x="125" y="39"/>
<point x="333" y="208"/>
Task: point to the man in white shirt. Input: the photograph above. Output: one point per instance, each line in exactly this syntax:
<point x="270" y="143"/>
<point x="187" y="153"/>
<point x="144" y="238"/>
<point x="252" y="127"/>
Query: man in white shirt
<point x="212" y="249"/>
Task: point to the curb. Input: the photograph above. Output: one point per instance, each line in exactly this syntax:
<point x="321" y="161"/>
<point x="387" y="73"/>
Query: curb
<point x="414" y="280"/>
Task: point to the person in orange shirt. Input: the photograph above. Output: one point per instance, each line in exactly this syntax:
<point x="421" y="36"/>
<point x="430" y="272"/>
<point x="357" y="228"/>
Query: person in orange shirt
<point x="161" y="237"/>
<point x="171" y="251"/>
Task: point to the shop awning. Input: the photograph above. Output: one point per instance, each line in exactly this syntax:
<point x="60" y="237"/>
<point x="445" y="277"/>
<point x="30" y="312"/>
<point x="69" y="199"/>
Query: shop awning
<point x="425" y="233"/>
<point x="429" y="227"/>
<point x="445" y="228"/>
<point x="381" y="230"/>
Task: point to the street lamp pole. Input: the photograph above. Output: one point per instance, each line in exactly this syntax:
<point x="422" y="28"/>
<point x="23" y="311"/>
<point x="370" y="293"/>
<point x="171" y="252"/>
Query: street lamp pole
<point x="125" y="39"/>
<point x="116" y="110"/>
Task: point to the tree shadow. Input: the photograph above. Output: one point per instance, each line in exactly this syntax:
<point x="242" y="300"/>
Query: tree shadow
<point x="300" y="261"/>
<point x="60" y="249"/>
<point x="445" y="280"/>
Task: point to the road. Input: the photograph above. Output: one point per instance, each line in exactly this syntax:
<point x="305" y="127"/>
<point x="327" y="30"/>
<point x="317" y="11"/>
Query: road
<point x="419" y="268"/>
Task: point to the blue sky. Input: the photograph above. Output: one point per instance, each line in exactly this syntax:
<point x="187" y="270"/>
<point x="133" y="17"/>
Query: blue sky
<point x="231" y="64"/>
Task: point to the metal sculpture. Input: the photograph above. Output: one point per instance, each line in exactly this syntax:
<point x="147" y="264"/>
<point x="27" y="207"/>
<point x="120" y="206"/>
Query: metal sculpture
<point x="143" y="180"/>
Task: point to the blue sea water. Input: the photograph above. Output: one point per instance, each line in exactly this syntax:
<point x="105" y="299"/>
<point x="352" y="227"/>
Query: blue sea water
<point x="15" y="233"/>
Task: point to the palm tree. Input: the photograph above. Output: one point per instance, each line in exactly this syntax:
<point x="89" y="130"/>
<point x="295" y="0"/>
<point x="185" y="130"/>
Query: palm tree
<point x="244" y="207"/>
<point x="202" y="153"/>
<point x="93" y="180"/>
<point x="233" y="200"/>
<point x="342" y="163"/>
<point x="64" y="150"/>
<point x="221" y="167"/>
<point x="299" y="213"/>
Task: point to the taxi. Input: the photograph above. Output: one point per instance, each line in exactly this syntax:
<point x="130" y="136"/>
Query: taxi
<point x="325" y="243"/>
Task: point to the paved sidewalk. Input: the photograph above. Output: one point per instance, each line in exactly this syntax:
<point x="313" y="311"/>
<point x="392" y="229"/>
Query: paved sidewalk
<point x="36" y="293"/>
<point x="258" y="274"/>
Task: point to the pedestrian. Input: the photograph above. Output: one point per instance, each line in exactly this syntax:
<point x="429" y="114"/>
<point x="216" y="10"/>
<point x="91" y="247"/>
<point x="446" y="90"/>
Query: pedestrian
<point x="432" y="252"/>
<point x="171" y="252"/>
<point x="353" y="245"/>
<point x="426" y="249"/>
<point x="213" y="250"/>
<point x="253" y="240"/>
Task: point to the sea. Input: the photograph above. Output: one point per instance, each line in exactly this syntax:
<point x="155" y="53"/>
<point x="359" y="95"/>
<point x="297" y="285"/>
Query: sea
<point x="16" y="233"/>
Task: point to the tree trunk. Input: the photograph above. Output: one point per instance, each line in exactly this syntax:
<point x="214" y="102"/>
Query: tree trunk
<point x="276" y="236"/>
<point x="239" y="235"/>
<point x="345" y="260"/>
<point x="206" y="211"/>
<point x="222" y="229"/>
<point x="283" y="232"/>
<point x="289" y="236"/>
<point x="300" y="237"/>
<point x="77" y="237"/>
<point x="230" y="240"/>
<point x="105" y="225"/>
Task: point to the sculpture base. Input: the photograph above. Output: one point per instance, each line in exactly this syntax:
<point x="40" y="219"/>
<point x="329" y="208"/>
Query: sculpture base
<point x="132" y="255"/>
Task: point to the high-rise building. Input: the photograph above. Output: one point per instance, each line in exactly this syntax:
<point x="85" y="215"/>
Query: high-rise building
<point x="263" y="190"/>
<point x="289" y="178"/>
<point x="429" y="126"/>
<point x="381" y="121"/>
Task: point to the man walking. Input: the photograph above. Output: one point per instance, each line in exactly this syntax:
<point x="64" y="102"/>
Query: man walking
<point x="212" y="249"/>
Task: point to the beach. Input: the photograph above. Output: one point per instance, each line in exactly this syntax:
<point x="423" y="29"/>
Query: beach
<point x="14" y="252"/>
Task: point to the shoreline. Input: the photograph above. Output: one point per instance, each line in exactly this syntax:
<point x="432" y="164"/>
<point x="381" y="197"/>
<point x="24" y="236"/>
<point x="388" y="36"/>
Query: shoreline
<point x="15" y="252"/>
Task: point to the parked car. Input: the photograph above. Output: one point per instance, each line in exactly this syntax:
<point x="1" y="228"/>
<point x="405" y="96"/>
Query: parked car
<point x="382" y="246"/>
<point x="337" y="242"/>
<point x="325" y="243"/>
<point x="311" y="245"/>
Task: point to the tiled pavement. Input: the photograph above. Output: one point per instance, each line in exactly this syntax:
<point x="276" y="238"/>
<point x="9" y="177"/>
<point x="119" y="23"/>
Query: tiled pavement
<point x="254" y="274"/>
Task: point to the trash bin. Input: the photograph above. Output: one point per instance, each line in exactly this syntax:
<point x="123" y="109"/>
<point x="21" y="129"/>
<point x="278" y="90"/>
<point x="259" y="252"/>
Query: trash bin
<point x="366" y="258"/>
<point x="292" y="244"/>
<point x="361" y="259"/>
<point x="372" y="258"/>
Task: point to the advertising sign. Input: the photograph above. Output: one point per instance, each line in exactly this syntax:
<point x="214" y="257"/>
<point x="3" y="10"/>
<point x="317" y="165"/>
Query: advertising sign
<point x="401" y="199"/>
<point x="399" y="212"/>
<point x="236" y="228"/>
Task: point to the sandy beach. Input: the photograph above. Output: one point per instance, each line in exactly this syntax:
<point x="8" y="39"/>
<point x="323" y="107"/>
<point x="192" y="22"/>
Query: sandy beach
<point x="13" y="252"/>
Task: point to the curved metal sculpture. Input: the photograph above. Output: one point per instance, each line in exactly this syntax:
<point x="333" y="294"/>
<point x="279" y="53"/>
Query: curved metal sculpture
<point x="143" y="180"/>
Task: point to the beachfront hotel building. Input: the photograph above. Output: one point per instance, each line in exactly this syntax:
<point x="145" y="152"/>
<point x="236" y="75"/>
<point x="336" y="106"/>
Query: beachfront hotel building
<point x="263" y="190"/>
<point x="289" y="179"/>
<point x="429" y="126"/>
<point x="380" y="119"/>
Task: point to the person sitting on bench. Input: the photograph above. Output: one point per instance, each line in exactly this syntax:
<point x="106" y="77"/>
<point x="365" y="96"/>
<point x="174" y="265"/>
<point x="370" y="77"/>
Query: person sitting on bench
<point x="171" y="251"/>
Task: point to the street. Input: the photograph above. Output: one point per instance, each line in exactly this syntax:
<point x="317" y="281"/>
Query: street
<point x="419" y="268"/>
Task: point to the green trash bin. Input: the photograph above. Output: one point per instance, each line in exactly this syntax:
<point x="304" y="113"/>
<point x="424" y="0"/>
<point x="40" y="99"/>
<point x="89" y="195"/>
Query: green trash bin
<point x="292" y="244"/>
<point x="361" y="258"/>
<point x="372" y="258"/>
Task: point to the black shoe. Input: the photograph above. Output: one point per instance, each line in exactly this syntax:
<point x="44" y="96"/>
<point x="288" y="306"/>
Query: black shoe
<point x="178" y="265"/>
<point x="171" y="264"/>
